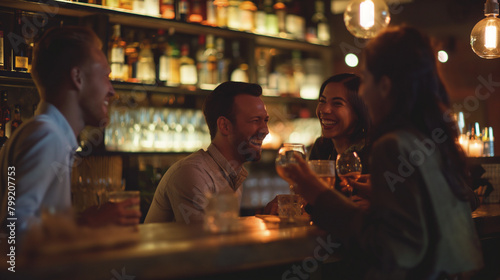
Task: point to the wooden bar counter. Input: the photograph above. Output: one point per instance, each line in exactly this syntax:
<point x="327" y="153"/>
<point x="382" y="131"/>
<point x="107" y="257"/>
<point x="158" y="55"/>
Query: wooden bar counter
<point x="259" y="248"/>
<point x="172" y="251"/>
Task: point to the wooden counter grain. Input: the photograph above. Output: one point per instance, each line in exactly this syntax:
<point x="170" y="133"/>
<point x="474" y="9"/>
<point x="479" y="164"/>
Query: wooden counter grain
<point x="172" y="251"/>
<point x="177" y="251"/>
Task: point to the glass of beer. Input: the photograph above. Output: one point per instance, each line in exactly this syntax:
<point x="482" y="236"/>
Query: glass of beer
<point x="325" y="169"/>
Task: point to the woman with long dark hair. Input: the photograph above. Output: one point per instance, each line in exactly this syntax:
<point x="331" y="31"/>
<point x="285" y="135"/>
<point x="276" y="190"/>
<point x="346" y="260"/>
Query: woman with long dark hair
<point x="419" y="225"/>
<point x="344" y="121"/>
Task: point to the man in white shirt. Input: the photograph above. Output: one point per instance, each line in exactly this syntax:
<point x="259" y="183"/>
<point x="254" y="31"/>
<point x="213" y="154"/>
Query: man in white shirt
<point x="237" y="119"/>
<point x="71" y="74"/>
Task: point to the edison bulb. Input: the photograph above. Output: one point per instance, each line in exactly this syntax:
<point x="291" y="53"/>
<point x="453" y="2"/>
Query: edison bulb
<point x="366" y="18"/>
<point x="485" y="38"/>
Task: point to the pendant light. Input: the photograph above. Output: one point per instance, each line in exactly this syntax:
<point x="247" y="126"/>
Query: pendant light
<point x="365" y="18"/>
<point x="485" y="36"/>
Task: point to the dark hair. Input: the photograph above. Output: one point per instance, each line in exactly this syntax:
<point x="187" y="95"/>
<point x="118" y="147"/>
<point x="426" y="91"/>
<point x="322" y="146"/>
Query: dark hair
<point x="59" y="50"/>
<point x="351" y="83"/>
<point x="406" y="57"/>
<point x="220" y="102"/>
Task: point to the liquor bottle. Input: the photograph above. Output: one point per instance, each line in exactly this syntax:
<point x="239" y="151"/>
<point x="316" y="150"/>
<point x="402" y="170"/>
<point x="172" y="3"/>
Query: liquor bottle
<point x="222" y="13"/>
<point x="280" y="10"/>
<point x="211" y="14"/>
<point x="196" y="12"/>
<point x="131" y="57"/>
<point x="126" y="4"/>
<point x="3" y="138"/>
<point x="247" y="16"/>
<point x="239" y="68"/>
<point x="20" y="48"/>
<point x="321" y="25"/>
<point x="139" y="6"/>
<point x="146" y="72"/>
<point x="200" y="58"/>
<point x="167" y="9"/>
<point x="489" y="145"/>
<point x="182" y="10"/>
<point x="298" y="73"/>
<point x="260" y="18"/>
<point x="294" y="21"/>
<point x="209" y="67"/>
<point x="16" y="119"/>
<point x="173" y="64"/>
<point x="4" y="114"/>
<point x="152" y="7"/>
<point x="164" y="66"/>
<point x="111" y="3"/>
<point x="2" y="62"/>
<point x="187" y="69"/>
<point x="262" y="68"/>
<point x="222" y="63"/>
<point x="116" y="54"/>
<point x="271" y="18"/>
<point x="234" y="19"/>
<point x="4" y="107"/>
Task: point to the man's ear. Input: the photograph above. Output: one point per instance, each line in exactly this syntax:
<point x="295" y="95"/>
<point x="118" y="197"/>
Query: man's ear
<point x="385" y="86"/>
<point x="76" y="77"/>
<point x="224" y="126"/>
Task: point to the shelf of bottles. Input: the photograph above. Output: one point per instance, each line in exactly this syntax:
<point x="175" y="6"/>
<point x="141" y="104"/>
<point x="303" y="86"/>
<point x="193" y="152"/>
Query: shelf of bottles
<point x="160" y="47"/>
<point x="474" y="141"/>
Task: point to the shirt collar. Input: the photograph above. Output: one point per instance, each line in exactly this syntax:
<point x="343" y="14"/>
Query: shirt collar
<point x="50" y="110"/>
<point x="236" y="178"/>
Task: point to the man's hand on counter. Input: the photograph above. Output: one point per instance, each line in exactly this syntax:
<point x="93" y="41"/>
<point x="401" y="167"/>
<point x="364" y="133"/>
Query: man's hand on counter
<point x="120" y="213"/>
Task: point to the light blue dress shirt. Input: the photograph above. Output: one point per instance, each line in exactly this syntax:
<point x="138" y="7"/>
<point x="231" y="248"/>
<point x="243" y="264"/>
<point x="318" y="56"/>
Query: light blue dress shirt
<point x="41" y="154"/>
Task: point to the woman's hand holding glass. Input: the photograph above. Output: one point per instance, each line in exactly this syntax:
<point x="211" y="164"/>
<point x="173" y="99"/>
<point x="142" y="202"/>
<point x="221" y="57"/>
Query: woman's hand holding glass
<point x="348" y="169"/>
<point x="306" y="183"/>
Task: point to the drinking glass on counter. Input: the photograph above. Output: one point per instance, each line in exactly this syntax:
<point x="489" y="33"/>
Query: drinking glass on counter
<point x="286" y="156"/>
<point x="290" y="207"/>
<point x="119" y="196"/>
<point x="348" y="166"/>
<point x="325" y="169"/>
<point x="222" y="212"/>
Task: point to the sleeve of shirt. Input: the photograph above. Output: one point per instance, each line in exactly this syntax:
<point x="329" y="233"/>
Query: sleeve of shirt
<point x="37" y="156"/>
<point x="188" y="190"/>
<point x="394" y="231"/>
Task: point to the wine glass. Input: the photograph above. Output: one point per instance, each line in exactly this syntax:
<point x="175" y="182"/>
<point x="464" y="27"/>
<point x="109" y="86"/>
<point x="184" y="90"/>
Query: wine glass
<point x="286" y="156"/>
<point x="325" y="169"/>
<point x="348" y="166"/>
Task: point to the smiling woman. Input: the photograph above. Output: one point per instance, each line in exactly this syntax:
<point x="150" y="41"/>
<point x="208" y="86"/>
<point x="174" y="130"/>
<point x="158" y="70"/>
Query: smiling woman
<point x="344" y="121"/>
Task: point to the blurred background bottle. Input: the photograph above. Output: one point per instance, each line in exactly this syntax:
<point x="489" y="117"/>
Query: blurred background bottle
<point x="271" y="18"/>
<point x="234" y="19"/>
<point x="5" y="116"/>
<point x="182" y="10"/>
<point x="195" y="14"/>
<point x="239" y="67"/>
<point x="320" y="28"/>
<point x="167" y="9"/>
<point x="19" y="48"/>
<point x="187" y="68"/>
<point x="116" y="54"/>
<point x="489" y="144"/>
<point x="16" y="119"/>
